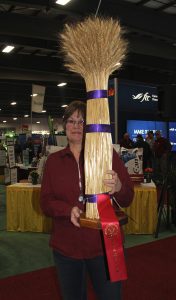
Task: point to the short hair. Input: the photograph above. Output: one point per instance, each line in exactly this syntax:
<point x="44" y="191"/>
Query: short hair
<point x="158" y="132"/>
<point x="139" y="136"/>
<point x="74" y="106"/>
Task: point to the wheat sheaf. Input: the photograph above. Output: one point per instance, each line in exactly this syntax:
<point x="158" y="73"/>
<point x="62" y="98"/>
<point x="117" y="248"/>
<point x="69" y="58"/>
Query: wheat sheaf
<point x="94" y="48"/>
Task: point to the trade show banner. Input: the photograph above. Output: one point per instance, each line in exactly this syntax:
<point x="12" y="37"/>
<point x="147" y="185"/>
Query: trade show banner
<point x="135" y="127"/>
<point x="38" y="94"/>
<point x="172" y="135"/>
<point x="11" y="156"/>
<point x="132" y="158"/>
<point x="130" y="100"/>
<point x="137" y="97"/>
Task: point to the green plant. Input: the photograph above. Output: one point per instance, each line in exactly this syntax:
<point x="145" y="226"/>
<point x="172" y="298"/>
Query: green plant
<point x="34" y="177"/>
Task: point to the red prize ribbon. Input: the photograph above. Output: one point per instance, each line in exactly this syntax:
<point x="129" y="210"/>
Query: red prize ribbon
<point x="112" y="238"/>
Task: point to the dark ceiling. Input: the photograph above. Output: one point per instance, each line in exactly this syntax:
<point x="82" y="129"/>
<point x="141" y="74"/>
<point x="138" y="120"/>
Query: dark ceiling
<point x="32" y="26"/>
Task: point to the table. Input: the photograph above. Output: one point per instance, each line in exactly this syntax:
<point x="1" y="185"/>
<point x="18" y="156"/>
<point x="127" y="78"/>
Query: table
<point x="143" y="210"/>
<point x="24" y="213"/>
<point x="23" y="209"/>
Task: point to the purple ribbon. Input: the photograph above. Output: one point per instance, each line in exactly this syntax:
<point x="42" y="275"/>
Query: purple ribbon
<point x="98" y="128"/>
<point x="97" y="94"/>
<point x="93" y="198"/>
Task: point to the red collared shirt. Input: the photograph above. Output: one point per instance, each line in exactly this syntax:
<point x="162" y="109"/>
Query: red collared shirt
<point x="60" y="192"/>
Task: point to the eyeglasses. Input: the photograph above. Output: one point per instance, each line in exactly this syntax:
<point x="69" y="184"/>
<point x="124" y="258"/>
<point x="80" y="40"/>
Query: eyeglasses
<point x="73" y="123"/>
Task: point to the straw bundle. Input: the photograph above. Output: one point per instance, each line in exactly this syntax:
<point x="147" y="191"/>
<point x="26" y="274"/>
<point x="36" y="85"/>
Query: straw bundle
<point x="95" y="48"/>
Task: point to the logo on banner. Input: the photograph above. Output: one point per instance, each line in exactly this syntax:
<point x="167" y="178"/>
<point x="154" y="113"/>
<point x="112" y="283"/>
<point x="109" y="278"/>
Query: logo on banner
<point x="145" y="97"/>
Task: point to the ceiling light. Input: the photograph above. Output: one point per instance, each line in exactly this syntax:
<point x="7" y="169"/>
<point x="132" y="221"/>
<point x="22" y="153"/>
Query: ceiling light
<point x="26" y="116"/>
<point x="34" y="95"/>
<point x="38" y="122"/>
<point x="43" y="111"/>
<point x="4" y="121"/>
<point x="13" y="103"/>
<point x="14" y="118"/>
<point x="8" y="49"/>
<point x="62" y="84"/>
<point x="64" y="105"/>
<point x="62" y="2"/>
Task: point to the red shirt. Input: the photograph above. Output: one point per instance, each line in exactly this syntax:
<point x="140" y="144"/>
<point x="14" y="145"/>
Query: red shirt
<point x="59" y="193"/>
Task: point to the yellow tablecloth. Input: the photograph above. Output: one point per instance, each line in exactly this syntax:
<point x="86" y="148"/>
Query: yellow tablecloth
<point x="24" y="213"/>
<point x="23" y="209"/>
<point x="143" y="210"/>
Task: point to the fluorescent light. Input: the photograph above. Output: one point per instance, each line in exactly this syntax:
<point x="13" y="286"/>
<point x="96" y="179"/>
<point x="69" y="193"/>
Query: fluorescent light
<point x="4" y="121"/>
<point x="14" y="119"/>
<point x="62" y="2"/>
<point x="38" y="122"/>
<point x="62" y="84"/>
<point x="8" y="49"/>
<point x="64" y="105"/>
<point x="43" y="111"/>
<point x="13" y="103"/>
<point x="34" y="95"/>
<point x="0" y="109"/>
<point x="26" y="116"/>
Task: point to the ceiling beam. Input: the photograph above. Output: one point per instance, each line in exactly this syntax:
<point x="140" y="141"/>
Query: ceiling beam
<point x="37" y="76"/>
<point x="130" y="15"/>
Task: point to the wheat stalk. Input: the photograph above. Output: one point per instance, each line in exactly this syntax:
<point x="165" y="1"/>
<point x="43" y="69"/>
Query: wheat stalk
<point x="95" y="48"/>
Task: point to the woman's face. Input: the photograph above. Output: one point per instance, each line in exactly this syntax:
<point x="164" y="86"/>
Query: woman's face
<point x="74" y="128"/>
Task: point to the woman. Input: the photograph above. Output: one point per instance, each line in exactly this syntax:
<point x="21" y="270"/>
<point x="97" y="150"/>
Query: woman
<point x="78" y="250"/>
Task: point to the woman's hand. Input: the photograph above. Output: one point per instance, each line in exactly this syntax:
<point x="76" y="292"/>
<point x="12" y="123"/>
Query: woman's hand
<point x="75" y="215"/>
<point x="114" y="183"/>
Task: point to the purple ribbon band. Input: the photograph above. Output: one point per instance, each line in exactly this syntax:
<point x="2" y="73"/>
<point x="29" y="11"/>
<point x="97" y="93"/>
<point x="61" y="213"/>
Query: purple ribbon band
<point x="97" y="94"/>
<point x="92" y="198"/>
<point x="98" y="128"/>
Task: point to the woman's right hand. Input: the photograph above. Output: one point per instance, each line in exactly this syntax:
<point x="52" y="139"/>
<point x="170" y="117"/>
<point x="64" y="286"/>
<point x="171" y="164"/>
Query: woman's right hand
<point x="75" y="215"/>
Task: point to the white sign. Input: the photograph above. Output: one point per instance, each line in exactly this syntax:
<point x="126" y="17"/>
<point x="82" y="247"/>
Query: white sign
<point x="2" y="158"/>
<point x="13" y="175"/>
<point x="38" y="94"/>
<point x="7" y="175"/>
<point x="11" y="156"/>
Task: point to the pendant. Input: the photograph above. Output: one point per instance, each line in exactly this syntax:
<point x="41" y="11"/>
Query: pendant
<point x="81" y="198"/>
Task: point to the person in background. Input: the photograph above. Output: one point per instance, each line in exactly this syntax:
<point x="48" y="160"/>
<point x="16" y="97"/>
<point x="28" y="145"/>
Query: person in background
<point x="150" y="140"/>
<point x="29" y="145"/>
<point x="162" y="150"/>
<point x="140" y="143"/>
<point x="18" y="151"/>
<point x="126" y="142"/>
<point x="78" y="250"/>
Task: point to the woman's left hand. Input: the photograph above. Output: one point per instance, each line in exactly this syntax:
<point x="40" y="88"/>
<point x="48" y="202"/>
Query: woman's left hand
<point x="114" y="183"/>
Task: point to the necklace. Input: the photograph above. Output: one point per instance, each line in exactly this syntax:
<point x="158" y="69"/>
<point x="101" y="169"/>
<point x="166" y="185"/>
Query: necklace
<point x="81" y="197"/>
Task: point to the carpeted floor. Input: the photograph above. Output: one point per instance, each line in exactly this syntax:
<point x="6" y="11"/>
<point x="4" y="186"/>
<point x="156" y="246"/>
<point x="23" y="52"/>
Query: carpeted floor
<point x="151" y="276"/>
<point x="151" y="270"/>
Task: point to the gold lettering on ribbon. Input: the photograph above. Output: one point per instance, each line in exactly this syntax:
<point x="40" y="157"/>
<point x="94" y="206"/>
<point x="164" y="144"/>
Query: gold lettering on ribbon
<point x="111" y="231"/>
